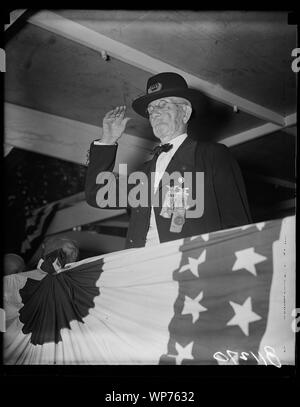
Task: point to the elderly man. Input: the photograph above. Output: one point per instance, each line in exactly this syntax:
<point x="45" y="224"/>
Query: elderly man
<point x="207" y="192"/>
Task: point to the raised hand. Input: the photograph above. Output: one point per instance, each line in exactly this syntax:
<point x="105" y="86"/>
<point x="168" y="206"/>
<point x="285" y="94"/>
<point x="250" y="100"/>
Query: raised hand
<point x="114" y="124"/>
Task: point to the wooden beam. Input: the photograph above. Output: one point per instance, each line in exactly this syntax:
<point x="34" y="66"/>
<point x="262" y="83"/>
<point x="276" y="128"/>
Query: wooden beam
<point x="89" y="38"/>
<point x="7" y="149"/>
<point x="71" y="200"/>
<point x="250" y="134"/>
<point x="291" y="130"/>
<point x="78" y="215"/>
<point x="66" y="202"/>
<point x="291" y="120"/>
<point x="14" y="15"/>
<point x="291" y="124"/>
<point x="271" y="180"/>
<point x="73" y="211"/>
<point x="70" y="140"/>
<point x="259" y="131"/>
<point x="64" y="138"/>
<point x="18" y="19"/>
<point x="116" y="222"/>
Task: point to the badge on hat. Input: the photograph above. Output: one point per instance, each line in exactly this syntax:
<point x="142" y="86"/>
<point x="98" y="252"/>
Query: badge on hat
<point x="155" y="87"/>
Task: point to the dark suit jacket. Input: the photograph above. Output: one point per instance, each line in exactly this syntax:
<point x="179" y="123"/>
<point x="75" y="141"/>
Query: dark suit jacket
<point x="225" y="200"/>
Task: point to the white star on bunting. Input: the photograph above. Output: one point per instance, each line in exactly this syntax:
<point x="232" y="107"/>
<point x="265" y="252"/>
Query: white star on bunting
<point x="184" y="352"/>
<point x="205" y="237"/>
<point x="192" y="306"/>
<point x="260" y="225"/>
<point x="246" y="259"/>
<point x="246" y="227"/>
<point x="194" y="263"/>
<point x="243" y="315"/>
<point x="194" y="237"/>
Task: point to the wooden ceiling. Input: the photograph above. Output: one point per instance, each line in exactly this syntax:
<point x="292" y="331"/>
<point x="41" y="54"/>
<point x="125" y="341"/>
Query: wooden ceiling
<point x="247" y="53"/>
<point x="49" y="73"/>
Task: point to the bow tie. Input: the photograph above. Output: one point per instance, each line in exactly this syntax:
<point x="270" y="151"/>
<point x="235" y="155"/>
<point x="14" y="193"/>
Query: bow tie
<point x="163" y="148"/>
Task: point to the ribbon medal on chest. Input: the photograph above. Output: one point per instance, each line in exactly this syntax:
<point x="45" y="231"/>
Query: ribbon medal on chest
<point x="174" y="206"/>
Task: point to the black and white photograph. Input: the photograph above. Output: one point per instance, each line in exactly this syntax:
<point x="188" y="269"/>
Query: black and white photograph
<point x="150" y="189"/>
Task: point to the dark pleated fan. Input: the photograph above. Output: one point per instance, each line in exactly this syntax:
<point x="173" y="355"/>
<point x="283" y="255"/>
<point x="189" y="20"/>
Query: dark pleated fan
<point x="52" y="303"/>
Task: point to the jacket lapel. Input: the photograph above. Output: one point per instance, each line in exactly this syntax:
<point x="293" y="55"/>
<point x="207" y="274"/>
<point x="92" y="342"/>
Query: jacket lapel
<point x="182" y="161"/>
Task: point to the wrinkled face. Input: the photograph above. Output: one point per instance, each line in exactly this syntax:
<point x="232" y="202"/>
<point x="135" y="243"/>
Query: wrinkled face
<point x="168" y="117"/>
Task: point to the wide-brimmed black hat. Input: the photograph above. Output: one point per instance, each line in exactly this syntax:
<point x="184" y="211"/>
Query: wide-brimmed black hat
<point x="168" y="84"/>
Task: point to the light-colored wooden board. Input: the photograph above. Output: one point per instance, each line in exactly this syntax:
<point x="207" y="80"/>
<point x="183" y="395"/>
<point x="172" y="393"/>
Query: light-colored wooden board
<point x="64" y="138"/>
<point x="49" y="73"/>
<point x="247" y="53"/>
<point x="80" y="214"/>
<point x="90" y="38"/>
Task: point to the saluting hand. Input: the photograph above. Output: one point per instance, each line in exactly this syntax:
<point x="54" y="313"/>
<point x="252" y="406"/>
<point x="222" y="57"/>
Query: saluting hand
<point x="114" y="124"/>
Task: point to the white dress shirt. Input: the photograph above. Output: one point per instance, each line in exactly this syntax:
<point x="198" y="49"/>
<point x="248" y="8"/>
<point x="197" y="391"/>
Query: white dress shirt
<point x="162" y="163"/>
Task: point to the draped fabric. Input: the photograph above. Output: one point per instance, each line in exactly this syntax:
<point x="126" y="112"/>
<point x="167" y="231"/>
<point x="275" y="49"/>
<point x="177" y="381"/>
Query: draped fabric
<point x="51" y="304"/>
<point x="222" y="298"/>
